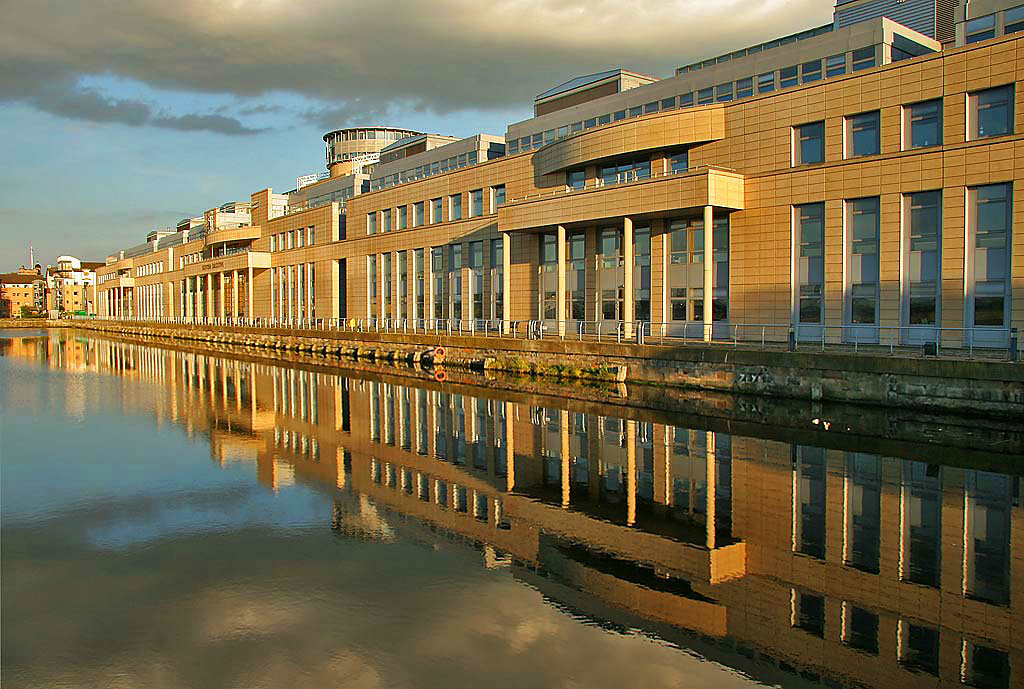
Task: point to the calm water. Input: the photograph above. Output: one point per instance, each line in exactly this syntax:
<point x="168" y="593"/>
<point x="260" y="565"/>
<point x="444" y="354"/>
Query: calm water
<point x="172" y="519"/>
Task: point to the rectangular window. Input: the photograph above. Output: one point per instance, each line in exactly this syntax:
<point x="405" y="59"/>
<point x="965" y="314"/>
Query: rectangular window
<point x="650" y="107"/>
<point x="455" y="207"/>
<point x="636" y="111"/>
<point x="862" y="134"/>
<point x="604" y="119"/>
<point x="745" y="87"/>
<point x="273" y="242"/>
<point x="787" y="77"/>
<point x="982" y="666"/>
<point x="386" y="283"/>
<point x="991" y="112"/>
<point x="989" y="226"/>
<point x="809" y="143"/>
<point x="862" y="511"/>
<point x="371" y="223"/>
<point x="809" y="484"/>
<point x="680" y="162"/>
<point x="417" y="214"/>
<point x="575" y="179"/>
<point x="436" y="270"/>
<point x="620" y="115"/>
<point x="435" y="210"/>
<point x="922" y="124"/>
<point x="310" y="235"/>
<point x="766" y="82"/>
<point x="705" y="96"/>
<point x="686" y="100"/>
<point x="921" y="519"/>
<point x="455" y="280"/>
<point x="864" y="58"/>
<point x="513" y="147"/>
<point x="835" y="65"/>
<point x="723" y="92"/>
<point x="923" y="213"/>
<point x="476" y="203"/>
<point x="498" y="194"/>
<point x="668" y="103"/>
<point x="810" y="71"/>
<point x="403" y="217"/>
<point x="863" y="229"/>
<point x="576" y="127"/>
<point x="524" y="144"/>
<point x="371" y="285"/>
<point x="419" y="286"/>
<point x="590" y="124"/>
<point x="386" y="219"/>
<point x="549" y="136"/>
<point x="980" y="29"/>
<point x="807" y="612"/>
<point x="860" y="629"/>
<point x="562" y="132"/>
<point x="810" y="276"/>
<point x="1013" y="20"/>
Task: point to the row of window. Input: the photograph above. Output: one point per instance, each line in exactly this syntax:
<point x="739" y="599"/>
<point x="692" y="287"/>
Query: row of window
<point x="293" y="292"/>
<point x="189" y="259"/>
<point x="982" y="28"/>
<point x="293" y="239"/>
<point x="814" y="70"/>
<point x="402" y="217"/>
<point x="990" y="112"/>
<point x="378" y="134"/>
<point x="626" y="169"/>
<point x="438" y="167"/>
<point x="149" y="269"/>
<point x="917" y="644"/>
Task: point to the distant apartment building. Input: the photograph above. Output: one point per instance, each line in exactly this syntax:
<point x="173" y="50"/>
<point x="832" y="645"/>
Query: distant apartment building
<point x="71" y="286"/>
<point x="856" y="182"/>
<point x="22" y="291"/>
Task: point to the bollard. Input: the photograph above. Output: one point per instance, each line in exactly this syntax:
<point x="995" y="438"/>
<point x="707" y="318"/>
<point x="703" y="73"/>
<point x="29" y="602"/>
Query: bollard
<point x="792" y="339"/>
<point x="1013" y="344"/>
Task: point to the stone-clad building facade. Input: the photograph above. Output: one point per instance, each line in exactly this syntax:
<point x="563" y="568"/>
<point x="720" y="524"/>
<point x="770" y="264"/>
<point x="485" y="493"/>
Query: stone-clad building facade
<point x="860" y="184"/>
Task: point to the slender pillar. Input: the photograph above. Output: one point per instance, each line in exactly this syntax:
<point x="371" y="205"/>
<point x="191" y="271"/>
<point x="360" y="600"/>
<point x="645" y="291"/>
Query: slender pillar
<point x="563" y="427"/>
<point x="560" y="304"/>
<point x="711" y="489"/>
<point x="209" y="295"/>
<point x="234" y="293"/>
<point x="220" y="291"/>
<point x="709" y="274"/>
<point x="630" y="472"/>
<point x="627" y="275"/>
<point x="506" y="288"/>
<point x="248" y="295"/>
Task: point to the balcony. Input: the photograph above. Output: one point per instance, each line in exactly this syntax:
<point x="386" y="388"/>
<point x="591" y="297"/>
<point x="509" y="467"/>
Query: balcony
<point x="632" y="196"/>
<point x="240" y="260"/>
<point x="234" y="234"/>
<point x="121" y="281"/>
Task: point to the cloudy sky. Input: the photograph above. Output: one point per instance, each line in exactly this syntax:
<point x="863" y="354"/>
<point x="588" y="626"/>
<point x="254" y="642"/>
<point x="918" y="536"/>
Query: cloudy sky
<point x="124" y="116"/>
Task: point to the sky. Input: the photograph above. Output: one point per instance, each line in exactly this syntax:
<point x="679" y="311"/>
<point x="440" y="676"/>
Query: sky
<point x="119" y="117"/>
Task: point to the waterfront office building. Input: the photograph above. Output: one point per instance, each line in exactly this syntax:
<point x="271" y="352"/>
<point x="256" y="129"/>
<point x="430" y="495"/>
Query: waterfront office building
<point x="856" y="181"/>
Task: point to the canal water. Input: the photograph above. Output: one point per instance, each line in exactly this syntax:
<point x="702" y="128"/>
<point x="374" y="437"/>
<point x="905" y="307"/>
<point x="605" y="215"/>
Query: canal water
<point x="183" y="519"/>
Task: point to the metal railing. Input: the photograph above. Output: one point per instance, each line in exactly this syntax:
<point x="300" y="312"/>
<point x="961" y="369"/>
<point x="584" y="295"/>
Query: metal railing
<point x="972" y="343"/>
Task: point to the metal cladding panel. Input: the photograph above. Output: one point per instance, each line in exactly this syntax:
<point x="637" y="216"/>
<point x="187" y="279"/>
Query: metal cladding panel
<point x="918" y="15"/>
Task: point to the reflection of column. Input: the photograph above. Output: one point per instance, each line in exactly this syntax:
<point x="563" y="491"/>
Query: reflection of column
<point x="506" y="281"/>
<point x="630" y="472"/>
<point x="709" y="274"/>
<point x="339" y="468"/>
<point x="560" y="295"/>
<point x="710" y="485"/>
<point x="563" y="426"/>
<point x="510" y="445"/>
<point x="627" y="275"/>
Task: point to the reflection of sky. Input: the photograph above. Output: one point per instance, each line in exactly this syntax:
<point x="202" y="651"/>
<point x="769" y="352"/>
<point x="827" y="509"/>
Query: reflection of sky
<point x="131" y="559"/>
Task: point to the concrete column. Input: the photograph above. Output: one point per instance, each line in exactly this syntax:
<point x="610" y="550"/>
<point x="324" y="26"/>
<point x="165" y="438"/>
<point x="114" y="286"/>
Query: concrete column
<point x="630" y="472"/>
<point x="709" y="507"/>
<point x="560" y="296"/>
<point x="234" y="293"/>
<point x="627" y="275"/>
<point x="250" y="312"/>
<point x="563" y="427"/>
<point x="506" y="282"/>
<point x="209" y="295"/>
<point x="709" y="274"/>
<point x="220" y="276"/>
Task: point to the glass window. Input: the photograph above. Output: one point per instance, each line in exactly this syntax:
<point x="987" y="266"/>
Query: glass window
<point x="723" y="92"/>
<point x="862" y="134"/>
<point x="835" y="65"/>
<point x="810" y="71"/>
<point x="476" y="203"/>
<point x="923" y="268"/>
<point x="620" y="115"/>
<point x="371" y="223"/>
<point x="386" y="219"/>
<point x="864" y="223"/>
<point x="1014" y="20"/>
<point x="787" y="77"/>
<point x="513" y="147"/>
<point x="860" y="629"/>
<point x="992" y="112"/>
<point x="863" y="58"/>
<point x="668" y="103"/>
<point x="924" y="120"/>
<point x="538" y="140"/>
<point x="650" y="107"/>
<point x="549" y="136"/>
<point x="686" y="100"/>
<point x="590" y="123"/>
<point x="403" y="217"/>
<point x="455" y="207"/>
<point x="576" y="127"/>
<point x="745" y="87"/>
<point x="766" y="82"/>
<point x="636" y="111"/>
<point x="524" y="143"/>
<point x="576" y="179"/>
<point x="990" y="224"/>
<point x="810" y="241"/>
<point x="604" y="119"/>
<point x="981" y="28"/>
<point x="808" y="613"/>
<point x="810" y="143"/>
<point x="435" y="210"/>
<point x="499" y="195"/>
<point x="705" y="96"/>
<point x="417" y="214"/>
<point x="562" y="132"/>
<point x="273" y="242"/>
<point x="681" y="162"/>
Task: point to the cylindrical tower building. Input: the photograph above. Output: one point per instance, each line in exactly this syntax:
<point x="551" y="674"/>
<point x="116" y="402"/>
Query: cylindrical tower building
<point x="347" y="148"/>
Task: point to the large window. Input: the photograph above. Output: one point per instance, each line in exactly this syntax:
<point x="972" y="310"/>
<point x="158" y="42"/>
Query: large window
<point x="476" y="203"/>
<point x="923" y="212"/>
<point x="455" y="280"/>
<point x="418" y="284"/>
<point x="990" y="233"/>
<point x="437" y="272"/>
<point x="991" y="112"/>
<point x="863" y="229"/>
<point x="417" y="214"/>
<point x="371" y="224"/>
<point x="809" y="143"/>
<point x="810" y="262"/>
<point x="386" y="219"/>
<point x="455" y="207"/>
<point x="371" y="285"/>
<point x="862" y="135"/>
<point x="922" y="124"/>
<point x="980" y="29"/>
<point x="863" y="58"/>
<point x="576" y="179"/>
<point x="686" y="270"/>
<point x="386" y="287"/>
<point x="625" y="171"/>
<point x="809" y="500"/>
<point x="403" y="217"/>
<point x="498" y="194"/>
<point x="863" y="510"/>
<point x="435" y="210"/>
<point x="680" y="162"/>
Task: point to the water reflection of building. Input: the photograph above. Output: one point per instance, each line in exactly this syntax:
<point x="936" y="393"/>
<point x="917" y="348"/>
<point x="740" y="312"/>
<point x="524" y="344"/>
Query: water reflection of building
<point x="859" y="568"/>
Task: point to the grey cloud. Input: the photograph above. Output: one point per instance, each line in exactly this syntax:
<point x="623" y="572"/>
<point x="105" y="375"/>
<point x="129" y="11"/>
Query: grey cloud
<point x="442" y="56"/>
<point x="210" y="123"/>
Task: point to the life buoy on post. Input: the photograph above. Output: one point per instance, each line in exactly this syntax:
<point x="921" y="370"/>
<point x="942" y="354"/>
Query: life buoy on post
<point x="439" y="354"/>
<point x="440" y="376"/>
